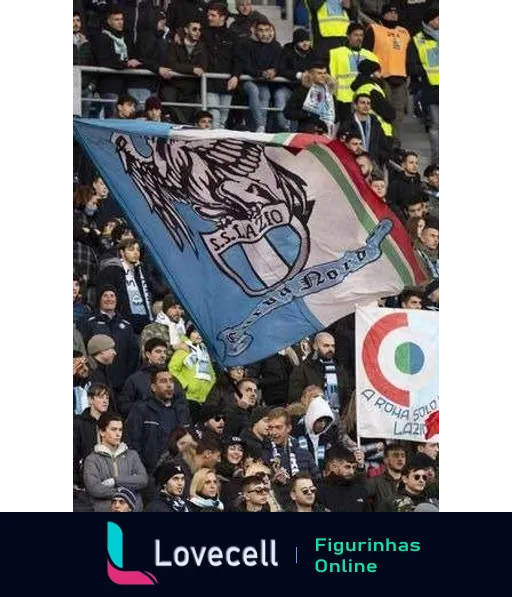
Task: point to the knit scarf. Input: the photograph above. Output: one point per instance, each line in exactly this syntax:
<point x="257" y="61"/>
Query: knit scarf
<point x="366" y="131"/>
<point x="207" y="502"/>
<point x="119" y="45"/>
<point x="292" y="458"/>
<point x="176" y="503"/>
<point x="200" y="359"/>
<point x="331" y="384"/>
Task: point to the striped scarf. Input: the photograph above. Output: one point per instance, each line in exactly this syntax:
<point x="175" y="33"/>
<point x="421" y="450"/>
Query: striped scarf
<point x="331" y="384"/>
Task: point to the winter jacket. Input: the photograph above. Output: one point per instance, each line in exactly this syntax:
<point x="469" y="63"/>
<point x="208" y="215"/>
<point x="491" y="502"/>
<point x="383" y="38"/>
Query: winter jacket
<point x="101" y="374"/>
<point x="120" y="330"/>
<point x="136" y="388"/>
<point x="164" y="502"/>
<point x="311" y="372"/>
<point x="406" y="502"/>
<point x="305" y="462"/>
<point x="86" y="246"/>
<point x="257" y="57"/>
<point x="273" y="375"/>
<point x="241" y="25"/>
<point x="85" y="437"/>
<point x="107" y="57"/>
<point x="223" y="392"/>
<point x="149" y="425"/>
<point x="254" y="445"/>
<point x="318" y="444"/>
<point x="123" y="466"/>
<point x="180" y="60"/>
<point x="404" y="190"/>
<point x="380" y="104"/>
<point x="382" y="491"/>
<point x="379" y="146"/>
<point x="114" y="275"/>
<point x="82" y="56"/>
<point x="294" y="110"/>
<point x="195" y="389"/>
<point x="222" y="47"/>
<point x="344" y="332"/>
<point x="293" y="61"/>
<point x="236" y="419"/>
<point x="147" y="51"/>
<point x="412" y="11"/>
<point x="341" y="495"/>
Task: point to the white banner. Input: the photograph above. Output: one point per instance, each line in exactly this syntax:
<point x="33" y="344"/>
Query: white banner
<point x="397" y="374"/>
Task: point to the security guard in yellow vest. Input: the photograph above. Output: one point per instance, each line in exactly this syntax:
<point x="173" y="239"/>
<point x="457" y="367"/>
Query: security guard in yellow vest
<point x="329" y="23"/>
<point x="343" y="67"/>
<point x="423" y="63"/>
<point x="369" y="81"/>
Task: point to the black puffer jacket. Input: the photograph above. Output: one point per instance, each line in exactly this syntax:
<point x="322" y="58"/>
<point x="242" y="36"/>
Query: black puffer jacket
<point x="258" y="56"/>
<point x="340" y="495"/>
<point x="294" y="61"/>
<point x="136" y="388"/>
<point x="180" y="60"/>
<point x="105" y="53"/>
<point x="404" y="189"/>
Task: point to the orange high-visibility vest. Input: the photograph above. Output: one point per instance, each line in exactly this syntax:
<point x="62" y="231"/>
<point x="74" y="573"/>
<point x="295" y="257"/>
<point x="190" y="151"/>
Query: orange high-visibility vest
<point x="391" y="48"/>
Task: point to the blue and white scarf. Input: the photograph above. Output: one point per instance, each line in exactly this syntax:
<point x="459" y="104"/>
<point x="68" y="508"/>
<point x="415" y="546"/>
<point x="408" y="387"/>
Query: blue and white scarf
<point x="331" y="389"/>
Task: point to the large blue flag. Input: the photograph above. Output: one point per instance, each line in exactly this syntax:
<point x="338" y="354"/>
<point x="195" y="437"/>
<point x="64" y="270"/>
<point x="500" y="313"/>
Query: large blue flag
<point x="265" y="239"/>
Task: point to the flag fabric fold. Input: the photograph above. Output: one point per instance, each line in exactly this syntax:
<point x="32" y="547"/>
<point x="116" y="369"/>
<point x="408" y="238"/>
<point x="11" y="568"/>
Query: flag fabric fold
<point x="265" y="239"/>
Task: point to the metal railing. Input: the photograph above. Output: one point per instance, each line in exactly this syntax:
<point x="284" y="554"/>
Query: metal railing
<point x="203" y="105"/>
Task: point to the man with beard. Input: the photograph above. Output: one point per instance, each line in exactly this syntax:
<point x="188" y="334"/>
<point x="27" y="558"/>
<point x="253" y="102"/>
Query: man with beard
<point x="171" y="316"/>
<point x="238" y="416"/>
<point x="341" y="489"/>
<point x="138" y="385"/>
<point x="245" y="19"/>
<point x="382" y="490"/>
<point x="405" y="185"/>
<point x="212" y="421"/>
<point x="389" y="41"/>
<point x="321" y="369"/>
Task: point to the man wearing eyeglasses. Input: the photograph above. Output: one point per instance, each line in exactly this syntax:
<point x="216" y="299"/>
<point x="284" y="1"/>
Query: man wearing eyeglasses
<point x="412" y="489"/>
<point x="342" y="489"/>
<point x="255" y="495"/>
<point x="303" y="494"/>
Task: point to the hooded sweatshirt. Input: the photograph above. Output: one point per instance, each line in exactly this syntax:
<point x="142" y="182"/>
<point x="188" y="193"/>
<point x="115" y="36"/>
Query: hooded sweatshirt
<point x="316" y="443"/>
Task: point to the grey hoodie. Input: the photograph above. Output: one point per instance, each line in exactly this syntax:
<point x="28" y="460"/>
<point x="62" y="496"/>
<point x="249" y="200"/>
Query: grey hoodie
<point x="104" y="471"/>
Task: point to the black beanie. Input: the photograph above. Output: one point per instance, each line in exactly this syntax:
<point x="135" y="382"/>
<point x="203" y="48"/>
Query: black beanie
<point x="300" y="35"/>
<point x="368" y="67"/>
<point x="101" y="292"/>
<point x="430" y="14"/>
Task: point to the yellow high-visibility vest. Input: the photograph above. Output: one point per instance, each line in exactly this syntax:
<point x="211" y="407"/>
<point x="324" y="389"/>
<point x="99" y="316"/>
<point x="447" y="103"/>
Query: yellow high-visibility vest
<point x="428" y="51"/>
<point x="332" y="25"/>
<point x="367" y="88"/>
<point x="343" y="63"/>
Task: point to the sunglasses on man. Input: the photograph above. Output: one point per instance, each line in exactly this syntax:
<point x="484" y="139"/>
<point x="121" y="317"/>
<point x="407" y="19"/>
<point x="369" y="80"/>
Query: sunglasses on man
<point x="309" y="490"/>
<point x="259" y="490"/>
<point x="418" y="477"/>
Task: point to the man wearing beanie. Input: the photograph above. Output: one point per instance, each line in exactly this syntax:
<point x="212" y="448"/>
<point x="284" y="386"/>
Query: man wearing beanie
<point x="256" y="436"/>
<point x="423" y="63"/>
<point x="245" y="18"/>
<point x="107" y="321"/>
<point x="101" y="350"/>
<point x="389" y="41"/>
<point x="170" y="481"/>
<point x="329" y="23"/>
<point x="296" y="57"/>
<point x="212" y="421"/>
<point x="123" y="500"/>
<point x="369" y="81"/>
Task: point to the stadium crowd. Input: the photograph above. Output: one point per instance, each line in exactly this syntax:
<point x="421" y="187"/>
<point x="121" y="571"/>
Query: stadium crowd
<point x="159" y="426"/>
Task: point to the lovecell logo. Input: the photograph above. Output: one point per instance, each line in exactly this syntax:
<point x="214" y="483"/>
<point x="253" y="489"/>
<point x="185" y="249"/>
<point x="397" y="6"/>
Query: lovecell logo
<point x="115" y="561"/>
